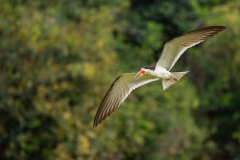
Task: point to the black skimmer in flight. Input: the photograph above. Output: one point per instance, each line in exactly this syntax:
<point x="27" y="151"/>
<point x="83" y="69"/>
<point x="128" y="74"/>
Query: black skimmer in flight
<point x="173" y="49"/>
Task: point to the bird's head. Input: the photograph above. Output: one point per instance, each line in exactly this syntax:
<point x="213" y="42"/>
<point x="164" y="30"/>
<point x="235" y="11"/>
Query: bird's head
<point x="144" y="70"/>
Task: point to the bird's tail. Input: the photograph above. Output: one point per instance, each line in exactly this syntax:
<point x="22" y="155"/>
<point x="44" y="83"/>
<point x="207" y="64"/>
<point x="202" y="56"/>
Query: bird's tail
<point x="175" y="76"/>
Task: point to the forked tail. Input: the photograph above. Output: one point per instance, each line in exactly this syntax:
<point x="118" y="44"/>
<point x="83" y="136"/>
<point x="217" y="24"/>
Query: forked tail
<point x="176" y="76"/>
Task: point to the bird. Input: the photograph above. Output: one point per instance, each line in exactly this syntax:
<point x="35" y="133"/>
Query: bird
<point x="127" y="82"/>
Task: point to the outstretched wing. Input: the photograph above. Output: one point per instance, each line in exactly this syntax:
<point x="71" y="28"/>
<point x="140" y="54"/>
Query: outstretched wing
<point x="118" y="92"/>
<point x="174" y="48"/>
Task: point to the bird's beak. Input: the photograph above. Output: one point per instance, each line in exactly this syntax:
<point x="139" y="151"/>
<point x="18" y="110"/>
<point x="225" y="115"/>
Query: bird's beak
<point x="138" y="75"/>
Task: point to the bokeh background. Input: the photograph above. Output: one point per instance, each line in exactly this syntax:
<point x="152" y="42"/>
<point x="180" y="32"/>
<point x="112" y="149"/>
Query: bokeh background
<point x="59" y="57"/>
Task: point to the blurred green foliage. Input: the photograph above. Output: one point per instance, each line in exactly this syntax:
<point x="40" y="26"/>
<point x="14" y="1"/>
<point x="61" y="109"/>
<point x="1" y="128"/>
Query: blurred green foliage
<point x="58" y="58"/>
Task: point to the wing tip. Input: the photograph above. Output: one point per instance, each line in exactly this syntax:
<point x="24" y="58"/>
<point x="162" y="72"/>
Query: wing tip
<point x="213" y="29"/>
<point x="216" y="29"/>
<point x="100" y="117"/>
<point x="97" y="122"/>
<point x="219" y="28"/>
<point x="95" y="125"/>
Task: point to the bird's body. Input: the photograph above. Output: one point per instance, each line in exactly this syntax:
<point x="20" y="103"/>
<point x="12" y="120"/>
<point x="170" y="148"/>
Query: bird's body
<point x="124" y="84"/>
<point x="159" y="72"/>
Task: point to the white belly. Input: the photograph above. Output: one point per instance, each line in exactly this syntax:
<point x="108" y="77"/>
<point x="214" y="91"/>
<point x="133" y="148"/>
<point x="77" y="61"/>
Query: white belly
<point x="161" y="73"/>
